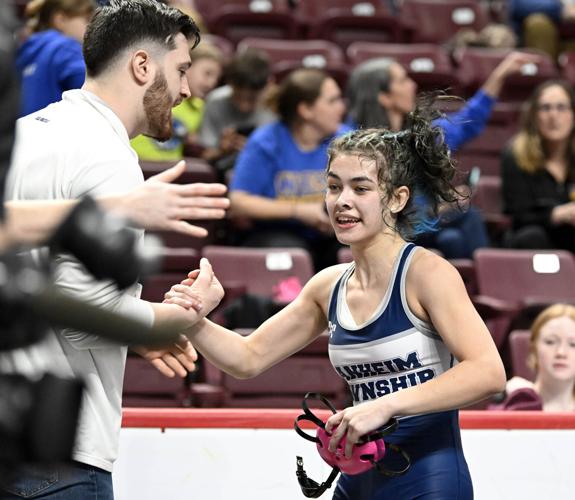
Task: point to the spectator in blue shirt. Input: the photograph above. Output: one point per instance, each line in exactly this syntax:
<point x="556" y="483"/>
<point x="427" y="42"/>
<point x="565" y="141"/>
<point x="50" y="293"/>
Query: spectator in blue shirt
<point x="381" y="94"/>
<point x="50" y="60"/>
<point x="279" y="177"/>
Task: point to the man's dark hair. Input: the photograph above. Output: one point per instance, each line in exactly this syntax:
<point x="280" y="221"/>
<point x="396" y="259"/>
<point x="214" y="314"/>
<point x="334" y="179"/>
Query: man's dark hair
<point x="250" y="69"/>
<point x="123" y="23"/>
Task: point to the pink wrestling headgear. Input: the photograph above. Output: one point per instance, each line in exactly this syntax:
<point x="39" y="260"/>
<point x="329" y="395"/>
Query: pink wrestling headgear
<point x="366" y="453"/>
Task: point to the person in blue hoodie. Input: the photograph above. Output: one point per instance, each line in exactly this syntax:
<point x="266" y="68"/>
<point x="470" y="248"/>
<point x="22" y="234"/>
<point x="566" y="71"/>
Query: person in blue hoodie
<point x="381" y="94"/>
<point x="50" y="60"/>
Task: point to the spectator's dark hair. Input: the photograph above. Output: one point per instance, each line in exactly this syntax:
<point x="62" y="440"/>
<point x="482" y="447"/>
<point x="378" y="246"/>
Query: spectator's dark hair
<point x="416" y="157"/>
<point x="301" y="85"/>
<point x="40" y="13"/>
<point x="250" y="69"/>
<point x="365" y="83"/>
<point x="123" y="23"/>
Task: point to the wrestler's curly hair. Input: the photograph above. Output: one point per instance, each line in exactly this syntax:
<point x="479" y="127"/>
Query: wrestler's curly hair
<point x="416" y="157"/>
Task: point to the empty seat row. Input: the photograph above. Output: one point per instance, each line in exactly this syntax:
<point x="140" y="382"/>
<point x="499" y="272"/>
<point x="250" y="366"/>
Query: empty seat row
<point x="512" y="287"/>
<point x="429" y="65"/>
<point x="343" y="21"/>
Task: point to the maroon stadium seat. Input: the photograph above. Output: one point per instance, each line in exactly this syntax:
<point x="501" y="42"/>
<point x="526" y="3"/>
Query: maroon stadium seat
<point x="282" y="386"/>
<point x="345" y="21"/>
<point x="519" y="353"/>
<point x="476" y="64"/>
<point x="515" y="285"/>
<point x="238" y="19"/>
<point x="145" y="386"/>
<point x="436" y="21"/>
<point x="287" y="55"/>
<point x="258" y="270"/>
<point x="487" y="197"/>
<point x="427" y="64"/>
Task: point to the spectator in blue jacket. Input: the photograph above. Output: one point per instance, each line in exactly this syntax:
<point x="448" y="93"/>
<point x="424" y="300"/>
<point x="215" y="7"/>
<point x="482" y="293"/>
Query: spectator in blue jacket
<point x="50" y="60"/>
<point x="536" y="22"/>
<point x="381" y="94"/>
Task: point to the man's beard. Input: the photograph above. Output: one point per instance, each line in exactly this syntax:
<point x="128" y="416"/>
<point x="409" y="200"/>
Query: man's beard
<point x="158" y="109"/>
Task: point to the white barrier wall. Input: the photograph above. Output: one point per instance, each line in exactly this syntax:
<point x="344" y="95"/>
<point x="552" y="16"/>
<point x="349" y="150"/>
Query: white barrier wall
<point x="241" y="462"/>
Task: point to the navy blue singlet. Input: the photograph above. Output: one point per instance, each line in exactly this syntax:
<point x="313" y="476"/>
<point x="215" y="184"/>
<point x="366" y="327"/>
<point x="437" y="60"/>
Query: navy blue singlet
<point x="395" y="350"/>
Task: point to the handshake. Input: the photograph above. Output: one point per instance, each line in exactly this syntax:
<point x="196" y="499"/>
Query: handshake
<point x="192" y="300"/>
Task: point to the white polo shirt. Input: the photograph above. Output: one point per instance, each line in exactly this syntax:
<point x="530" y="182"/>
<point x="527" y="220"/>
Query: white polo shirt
<point x="72" y="148"/>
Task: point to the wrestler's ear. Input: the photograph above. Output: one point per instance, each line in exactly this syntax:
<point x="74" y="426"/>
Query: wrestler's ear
<point x="399" y="199"/>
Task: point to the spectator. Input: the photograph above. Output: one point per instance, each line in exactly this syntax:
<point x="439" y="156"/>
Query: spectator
<point x="279" y="178"/>
<point x="552" y="358"/>
<point x="536" y="22"/>
<point x="538" y="171"/>
<point x="381" y="94"/>
<point x="50" y="60"/>
<point x="203" y="76"/>
<point x="233" y="111"/>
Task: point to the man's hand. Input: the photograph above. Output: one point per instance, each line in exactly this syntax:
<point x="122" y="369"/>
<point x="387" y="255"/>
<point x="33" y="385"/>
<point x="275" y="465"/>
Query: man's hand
<point x="176" y="359"/>
<point x="160" y="205"/>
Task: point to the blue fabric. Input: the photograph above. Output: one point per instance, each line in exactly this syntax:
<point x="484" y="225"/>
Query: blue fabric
<point x="520" y="9"/>
<point x="58" y="482"/>
<point x="393" y="317"/>
<point x="438" y="468"/>
<point x="467" y="123"/>
<point x="432" y="441"/>
<point x="272" y="165"/>
<point x="460" y="234"/>
<point x="49" y="63"/>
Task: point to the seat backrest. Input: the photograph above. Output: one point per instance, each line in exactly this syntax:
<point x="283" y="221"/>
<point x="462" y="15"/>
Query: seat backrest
<point x="519" y="353"/>
<point x="436" y="21"/>
<point x="179" y="260"/>
<point x="567" y="66"/>
<point x="345" y="21"/>
<point x="238" y="19"/>
<point x="488" y="164"/>
<point x="288" y="55"/>
<point x="221" y="43"/>
<point x="427" y="64"/>
<point x="474" y="65"/>
<point x="145" y="386"/>
<point x="487" y="194"/>
<point x="517" y="275"/>
<point x="210" y="10"/>
<point x="259" y="270"/>
<point x="300" y="53"/>
<point x="197" y="170"/>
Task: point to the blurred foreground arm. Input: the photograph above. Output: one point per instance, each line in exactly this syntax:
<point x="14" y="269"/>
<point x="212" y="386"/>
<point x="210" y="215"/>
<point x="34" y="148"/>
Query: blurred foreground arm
<point x="157" y="204"/>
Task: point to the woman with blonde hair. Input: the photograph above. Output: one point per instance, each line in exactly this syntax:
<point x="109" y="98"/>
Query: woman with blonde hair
<point x="552" y="358"/>
<point x="538" y="171"/>
<point x="50" y="60"/>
